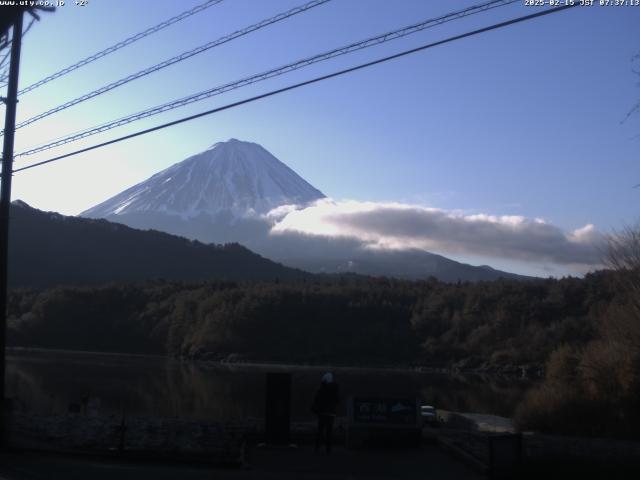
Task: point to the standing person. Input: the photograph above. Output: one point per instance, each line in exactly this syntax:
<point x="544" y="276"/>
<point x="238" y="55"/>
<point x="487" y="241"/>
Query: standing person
<point x="325" y="406"/>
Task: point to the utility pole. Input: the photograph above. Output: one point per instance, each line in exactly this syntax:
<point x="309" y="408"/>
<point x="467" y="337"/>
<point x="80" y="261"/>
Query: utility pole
<point x="5" y="205"/>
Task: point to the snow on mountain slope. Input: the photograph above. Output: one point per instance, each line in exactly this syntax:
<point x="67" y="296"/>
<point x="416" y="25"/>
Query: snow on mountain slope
<point x="234" y="176"/>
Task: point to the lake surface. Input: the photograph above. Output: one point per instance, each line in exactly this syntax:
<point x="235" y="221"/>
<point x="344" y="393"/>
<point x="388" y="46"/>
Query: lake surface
<point x="47" y="382"/>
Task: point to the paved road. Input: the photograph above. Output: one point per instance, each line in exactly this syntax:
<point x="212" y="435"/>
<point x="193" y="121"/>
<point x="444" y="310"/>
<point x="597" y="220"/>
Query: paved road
<point x="263" y="464"/>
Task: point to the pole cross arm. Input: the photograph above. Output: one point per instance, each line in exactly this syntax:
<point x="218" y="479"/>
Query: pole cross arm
<point x="11" y="13"/>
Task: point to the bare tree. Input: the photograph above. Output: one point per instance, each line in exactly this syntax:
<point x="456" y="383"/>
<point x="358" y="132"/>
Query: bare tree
<point x="636" y="69"/>
<point x="619" y="346"/>
<point x="623" y="256"/>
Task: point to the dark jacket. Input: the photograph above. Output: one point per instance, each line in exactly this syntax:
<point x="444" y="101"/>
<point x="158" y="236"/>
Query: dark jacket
<point x="326" y="399"/>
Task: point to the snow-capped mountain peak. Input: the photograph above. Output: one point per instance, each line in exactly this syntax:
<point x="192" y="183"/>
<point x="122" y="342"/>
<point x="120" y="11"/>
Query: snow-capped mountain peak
<point x="234" y="176"/>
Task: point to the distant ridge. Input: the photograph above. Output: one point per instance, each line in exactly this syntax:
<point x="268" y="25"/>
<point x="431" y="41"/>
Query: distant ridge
<point x="47" y="249"/>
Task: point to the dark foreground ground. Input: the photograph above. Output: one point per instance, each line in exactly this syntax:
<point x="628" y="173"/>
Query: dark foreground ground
<point x="428" y="462"/>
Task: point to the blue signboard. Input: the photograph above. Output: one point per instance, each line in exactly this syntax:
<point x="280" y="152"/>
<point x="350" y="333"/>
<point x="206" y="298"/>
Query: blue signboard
<point x="384" y="411"/>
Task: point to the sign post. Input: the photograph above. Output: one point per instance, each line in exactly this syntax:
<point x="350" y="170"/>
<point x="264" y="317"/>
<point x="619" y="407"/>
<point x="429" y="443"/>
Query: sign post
<point x="278" y="409"/>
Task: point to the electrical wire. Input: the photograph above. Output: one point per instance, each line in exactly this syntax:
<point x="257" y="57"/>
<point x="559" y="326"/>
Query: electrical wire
<point x="175" y="59"/>
<point x="302" y="84"/>
<point x="379" y="39"/>
<point x="127" y="41"/>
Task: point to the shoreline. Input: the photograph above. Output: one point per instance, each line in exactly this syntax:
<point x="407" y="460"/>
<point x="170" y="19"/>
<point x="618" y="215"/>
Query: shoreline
<point x="529" y="372"/>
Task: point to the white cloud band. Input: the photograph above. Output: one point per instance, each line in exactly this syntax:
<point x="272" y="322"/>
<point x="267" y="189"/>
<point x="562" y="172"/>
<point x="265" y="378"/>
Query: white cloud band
<point x="401" y="226"/>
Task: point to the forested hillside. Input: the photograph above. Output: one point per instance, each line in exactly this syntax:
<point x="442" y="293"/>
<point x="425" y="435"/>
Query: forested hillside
<point x="342" y="320"/>
<point x="48" y="249"/>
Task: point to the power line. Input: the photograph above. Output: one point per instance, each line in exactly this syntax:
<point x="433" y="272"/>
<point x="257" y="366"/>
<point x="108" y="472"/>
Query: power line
<point x="270" y="74"/>
<point x="302" y="84"/>
<point x="176" y="59"/>
<point x="122" y="44"/>
<point x="386" y="37"/>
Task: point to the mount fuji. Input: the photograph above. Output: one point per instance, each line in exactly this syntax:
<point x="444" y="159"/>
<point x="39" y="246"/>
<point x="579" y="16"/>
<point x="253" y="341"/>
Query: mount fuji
<point x="224" y="194"/>
<point x="233" y="177"/>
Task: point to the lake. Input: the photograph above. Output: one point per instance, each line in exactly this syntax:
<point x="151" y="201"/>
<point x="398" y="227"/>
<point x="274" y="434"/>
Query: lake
<point x="47" y="382"/>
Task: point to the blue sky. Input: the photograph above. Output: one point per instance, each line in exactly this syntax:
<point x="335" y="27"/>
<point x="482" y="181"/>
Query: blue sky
<point x="523" y="121"/>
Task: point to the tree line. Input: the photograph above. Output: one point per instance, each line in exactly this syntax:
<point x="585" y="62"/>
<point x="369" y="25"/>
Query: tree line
<point x="332" y="319"/>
